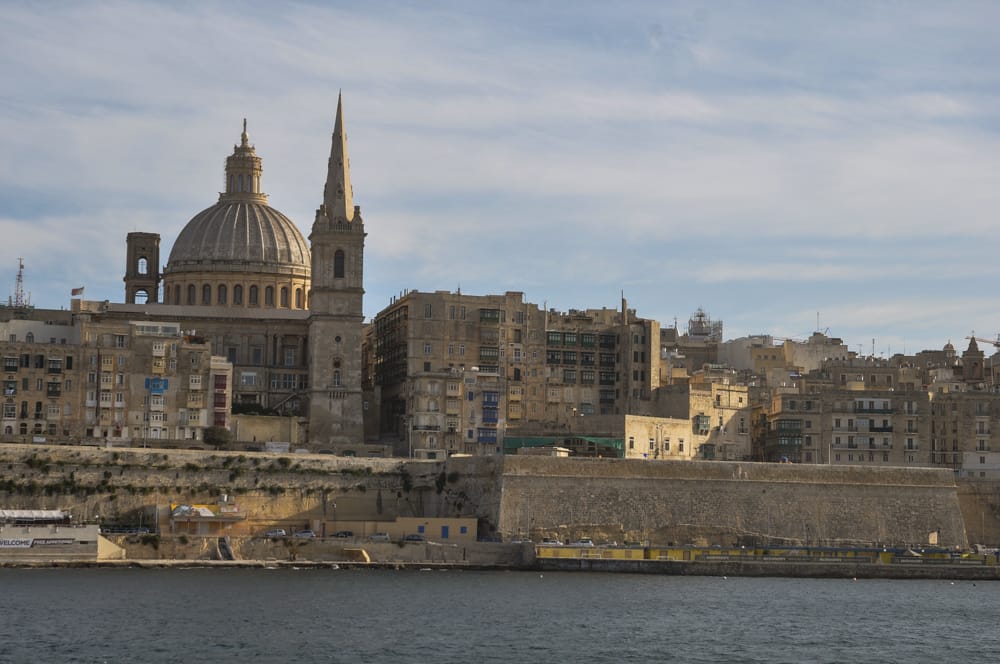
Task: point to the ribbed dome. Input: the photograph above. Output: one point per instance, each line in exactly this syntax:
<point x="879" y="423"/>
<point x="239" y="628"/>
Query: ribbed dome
<point x="240" y="231"/>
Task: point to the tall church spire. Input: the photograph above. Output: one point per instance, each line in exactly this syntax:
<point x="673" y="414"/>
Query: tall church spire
<point x="337" y="195"/>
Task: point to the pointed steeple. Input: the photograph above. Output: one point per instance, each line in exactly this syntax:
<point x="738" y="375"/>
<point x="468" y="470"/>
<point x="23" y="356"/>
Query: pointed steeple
<point x="338" y="199"/>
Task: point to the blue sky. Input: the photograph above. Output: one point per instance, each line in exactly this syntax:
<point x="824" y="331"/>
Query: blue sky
<point x="787" y="166"/>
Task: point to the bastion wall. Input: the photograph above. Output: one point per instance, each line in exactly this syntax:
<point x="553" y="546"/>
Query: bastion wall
<point x="611" y="500"/>
<point x="717" y="502"/>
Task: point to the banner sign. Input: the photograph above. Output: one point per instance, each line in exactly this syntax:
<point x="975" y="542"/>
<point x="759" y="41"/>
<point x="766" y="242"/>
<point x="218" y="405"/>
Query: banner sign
<point x="19" y="543"/>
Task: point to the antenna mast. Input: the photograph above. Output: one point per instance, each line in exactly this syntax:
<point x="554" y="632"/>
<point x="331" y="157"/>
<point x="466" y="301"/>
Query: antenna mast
<point x="19" y="300"/>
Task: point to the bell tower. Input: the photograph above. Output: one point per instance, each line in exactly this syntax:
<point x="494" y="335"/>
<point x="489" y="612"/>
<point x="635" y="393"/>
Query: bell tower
<point x="337" y="242"/>
<point x="142" y="269"/>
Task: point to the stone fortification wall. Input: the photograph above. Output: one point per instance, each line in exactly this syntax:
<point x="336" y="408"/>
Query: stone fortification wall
<point x="980" y="501"/>
<point x="724" y="503"/>
<point x="612" y="500"/>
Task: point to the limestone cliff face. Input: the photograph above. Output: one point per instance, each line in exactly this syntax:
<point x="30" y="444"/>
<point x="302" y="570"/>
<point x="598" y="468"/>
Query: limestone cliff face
<point x="611" y="500"/>
<point x="294" y="490"/>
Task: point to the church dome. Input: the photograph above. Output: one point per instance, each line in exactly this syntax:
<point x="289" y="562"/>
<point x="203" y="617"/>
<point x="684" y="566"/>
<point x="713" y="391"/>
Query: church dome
<point x="240" y="231"/>
<point x="240" y="245"/>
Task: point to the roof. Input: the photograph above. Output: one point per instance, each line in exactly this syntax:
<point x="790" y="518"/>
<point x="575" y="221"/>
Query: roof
<point x="240" y="231"/>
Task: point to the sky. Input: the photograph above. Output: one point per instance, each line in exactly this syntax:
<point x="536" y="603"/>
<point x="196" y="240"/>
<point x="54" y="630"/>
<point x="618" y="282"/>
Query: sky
<point x="788" y="167"/>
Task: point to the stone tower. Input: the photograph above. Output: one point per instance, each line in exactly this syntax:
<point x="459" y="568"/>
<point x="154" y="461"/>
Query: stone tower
<point x="142" y="269"/>
<point x="972" y="362"/>
<point x="337" y="243"/>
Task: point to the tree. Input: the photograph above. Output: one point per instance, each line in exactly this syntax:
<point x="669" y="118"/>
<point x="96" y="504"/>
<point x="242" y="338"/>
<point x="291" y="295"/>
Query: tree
<point x="217" y="437"/>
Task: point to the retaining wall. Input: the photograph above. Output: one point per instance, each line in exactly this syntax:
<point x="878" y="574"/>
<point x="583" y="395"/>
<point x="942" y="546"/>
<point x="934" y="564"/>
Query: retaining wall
<point x="721" y="502"/>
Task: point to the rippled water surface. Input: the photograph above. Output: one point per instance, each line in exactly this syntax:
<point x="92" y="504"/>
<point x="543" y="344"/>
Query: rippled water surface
<point x="380" y="616"/>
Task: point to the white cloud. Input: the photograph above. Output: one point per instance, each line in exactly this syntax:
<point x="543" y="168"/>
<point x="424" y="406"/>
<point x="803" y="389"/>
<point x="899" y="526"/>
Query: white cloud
<point x="690" y="155"/>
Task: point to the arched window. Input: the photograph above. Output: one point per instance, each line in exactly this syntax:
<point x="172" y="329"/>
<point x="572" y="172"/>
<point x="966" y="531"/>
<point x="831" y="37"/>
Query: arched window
<point x="336" y="377"/>
<point x="241" y="183"/>
<point x="141" y="296"/>
<point x="298" y="298"/>
<point x="191" y="299"/>
<point x="221" y="299"/>
<point x="237" y="294"/>
<point x="252" y="298"/>
<point x="8" y="430"/>
<point x="142" y="265"/>
<point x="177" y="294"/>
<point x="284" y="297"/>
<point x="269" y="296"/>
<point x="29" y="338"/>
<point x="338" y="264"/>
<point x="206" y="294"/>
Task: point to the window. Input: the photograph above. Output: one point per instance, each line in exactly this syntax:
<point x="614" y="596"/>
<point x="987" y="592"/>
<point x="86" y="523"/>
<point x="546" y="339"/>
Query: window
<point x="269" y="296"/>
<point x="338" y="264"/>
<point x="221" y="299"/>
<point x="191" y="294"/>
<point x="237" y="294"/>
<point x="631" y="442"/>
<point x="428" y="310"/>
<point x="252" y="297"/>
<point x="206" y="294"/>
<point x="284" y="297"/>
<point x="427" y="349"/>
<point x="298" y="298"/>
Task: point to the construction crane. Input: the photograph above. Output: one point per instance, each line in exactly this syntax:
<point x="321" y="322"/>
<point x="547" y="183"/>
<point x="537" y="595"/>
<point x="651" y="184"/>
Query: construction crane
<point x="993" y="342"/>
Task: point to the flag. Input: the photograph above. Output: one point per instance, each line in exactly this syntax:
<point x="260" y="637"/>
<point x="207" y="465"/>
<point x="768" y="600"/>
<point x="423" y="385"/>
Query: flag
<point x="77" y="291"/>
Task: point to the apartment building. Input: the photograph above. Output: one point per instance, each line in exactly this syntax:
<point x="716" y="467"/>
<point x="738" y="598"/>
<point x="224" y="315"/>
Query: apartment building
<point x="127" y="383"/>
<point x="502" y="367"/>
<point x="41" y="378"/>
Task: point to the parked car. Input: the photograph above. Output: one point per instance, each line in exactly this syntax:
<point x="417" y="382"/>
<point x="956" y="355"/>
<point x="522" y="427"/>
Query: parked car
<point x="414" y="537"/>
<point x="379" y="537"/>
<point x="551" y="541"/>
<point x="344" y="534"/>
<point x="275" y="532"/>
<point x="304" y="533"/>
<point x="583" y="542"/>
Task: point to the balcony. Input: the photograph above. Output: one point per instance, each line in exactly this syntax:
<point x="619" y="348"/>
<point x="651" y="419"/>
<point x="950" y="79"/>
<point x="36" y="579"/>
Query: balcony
<point x="862" y="409"/>
<point x="887" y="429"/>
